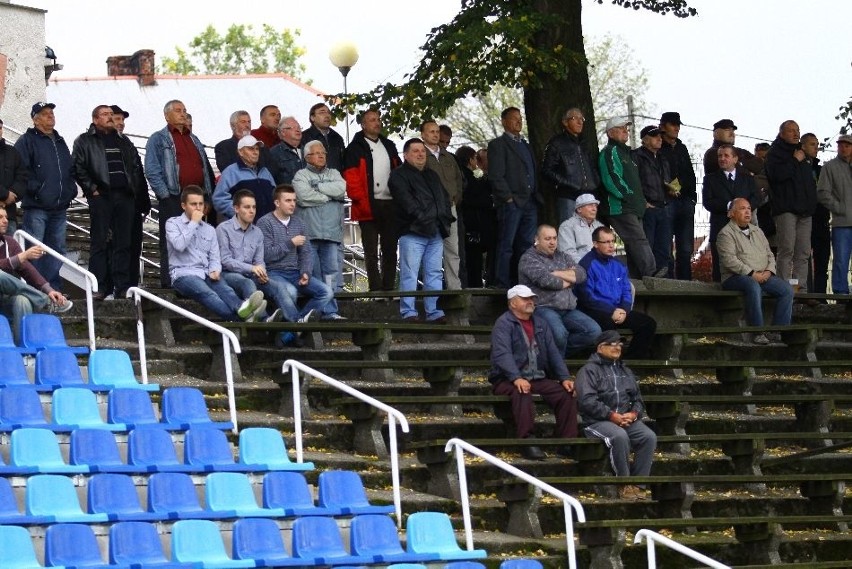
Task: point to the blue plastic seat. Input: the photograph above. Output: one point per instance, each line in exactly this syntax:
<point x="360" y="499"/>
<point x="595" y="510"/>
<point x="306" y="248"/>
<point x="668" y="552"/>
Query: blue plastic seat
<point x="41" y="331"/>
<point x="97" y="449"/>
<point x="232" y="491"/>
<point x="208" y="449"/>
<point x="7" y="470"/>
<point x="9" y="513"/>
<point x="290" y="492"/>
<point x="115" y="495"/>
<point x="264" y="448"/>
<point x="38" y="449"/>
<point x="72" y="545"/>
<point x="173" y="495"/>
<point x="12" y="370"/>
<point x="343" y="490"/>
<point x="7" y="339"/>
<point x="55" y="495"/>
<point x="138" y="544"/>
<point x="58" y="367"/>
<point x="317" y="539"/>
<point x="77" y="408"/>
<point x="432" y="532"/>
<point x="408" y="566"/>
<point x="153" y="450"/>
<point x="21" y="407"/>
<point x="113" y="368"/>
<point x="17" y="547"/>
<point x="260" y="540"/>
<point x="464" y="565"/>
<point x="199" y="541"/>
<point x="185" y="407"/>
<point x="132" y="407"/>
<point x="521" y="564"/>
<point x="375" y="536"/>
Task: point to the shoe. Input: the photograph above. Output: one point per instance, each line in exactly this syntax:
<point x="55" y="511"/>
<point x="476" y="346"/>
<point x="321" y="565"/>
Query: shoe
<point x="565" y="452"/>
<point x="774" y="337"/>
<point x="631" y="492"/>
<point x="256" y="315"/>
<point x="274" y="317"/>
<point x="533" y="453"/>
<point x="760" y="339"/>
<point x="61" y="308"/>
<point x="249" y="305"/>
<point x="438" y="320"/>
<point x="98" y="296"/>
<point x="662" y="273"/>
<point x="310" y="316"/>
<point x="411" y="319"/>
<point x="288" y="339"/>
<point x="334" y="316"/>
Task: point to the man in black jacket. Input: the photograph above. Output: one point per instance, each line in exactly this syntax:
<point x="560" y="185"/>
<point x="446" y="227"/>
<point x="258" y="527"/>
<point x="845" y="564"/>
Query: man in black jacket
<point x="320" y="119"/>
<point x="655" y="177"/>
<point x="568" y="166"/>
<point x="682" y="200"/>
<point x="107" y="167"/>
<point x="13" y="180"/>
<point x="423" y="221"/>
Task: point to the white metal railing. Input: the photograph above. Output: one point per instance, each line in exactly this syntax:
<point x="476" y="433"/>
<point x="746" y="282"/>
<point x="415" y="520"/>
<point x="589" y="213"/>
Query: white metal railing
<point x="568" y="503"/>
<point x="91" y="283"/>
<point x="394" y="417"/>
<point x="229" y="339"/>
<point x="654" y="537"/>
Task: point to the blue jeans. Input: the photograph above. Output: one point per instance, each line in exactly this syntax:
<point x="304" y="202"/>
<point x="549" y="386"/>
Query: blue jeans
<point x="516" y="227"/>
<point x="414" y="251"/>
<point x="682" y="216"/>
<point x="48" y="226"/>
<point x="572" y="330"/>
<point x="284" y="288"/>
<point x="565" y="208"/>
<point x="217" y="296"/>
<point x="775" y="287"/>
<point x="328" y="268"/>
<point x="17" y="299"/>
<point x="244" y="286"/>
<point x="658" y="230"/>
<point x="841" y="248"/>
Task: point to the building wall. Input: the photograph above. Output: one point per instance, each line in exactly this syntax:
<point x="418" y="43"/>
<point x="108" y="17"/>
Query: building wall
<point x="22" y="41"/>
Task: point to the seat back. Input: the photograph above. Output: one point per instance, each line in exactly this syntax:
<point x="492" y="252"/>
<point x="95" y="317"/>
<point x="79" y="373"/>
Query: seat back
<point x="40" y="331"/>
<point x="288" y="490"/>
<point x="94" y="448"/>
<point x="17" y="547"/>
<point x="374" y="534"/>
<point x="464" y="565"/>
<point x="71" y="544"/>
<point x="184" y="405"/>
<point x="52" y="495"/>
<point x="130" y="406"/>
<point x="199" y="541"/>
<point x="8" y="502"/>
<point x="151" y="447"/>
<point x="35" y="447"/>
<point x="257" y="538"/>
<point x="521" y="564"/>
<point x="263" y="445"/>
<point x="229" y="491"/>
<point x="171" y="492"/>
<point x="430" y="532"/>
<point x="7" y="339"/>
<point x="317" y="537"/>
<point x="76" y="406"/>
<point x="12" y="370"/>
<point x="204" y="446"/>
<point x="135" y="542"/>
<point x="57" y="366"/>
<point x="112" y="368"/>
<point x="21" y="406"/>
<point x="112" y="494"/>
<point x="341" y="489"/>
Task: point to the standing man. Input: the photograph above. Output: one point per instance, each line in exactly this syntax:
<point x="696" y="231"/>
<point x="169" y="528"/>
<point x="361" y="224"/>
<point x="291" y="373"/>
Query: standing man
<point x="551" y="275"/>
<point x="446" y="136"/>
<point x="174" y="159"/>
<point x="835" y="193"/>
<point x="682" y="196"/>
<point x="423" y="221"/>
<point x="724" y="132"/>
<point x="109" y="171"/>
<point x="226" y="150"/>
<point x="447" y="167"/>
<point x="793" y="198"/>
<point x="267" y="132"/>
<point x="655" y="178"/>
<point x="320" y="119"/>
<point x="245" y="174"/>
<point x="50" y="187"/>
<point x="575" y="233"/>
<point x="625" y="200"/>
<point x="285" y="159"/>
<point x="512" y="173"/>
<point x="610" y="403"/>
<point x="525" y="361"/>
<point x="568" y="166"/>
<point x="320" y="193"/>
<point x="368" y="163"/>
<point x="820" y="223"/>
<point x="13" y="181"/>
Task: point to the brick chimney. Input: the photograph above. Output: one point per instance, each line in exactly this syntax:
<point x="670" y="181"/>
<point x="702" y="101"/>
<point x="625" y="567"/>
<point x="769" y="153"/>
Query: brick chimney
<point x="140" y="64"/>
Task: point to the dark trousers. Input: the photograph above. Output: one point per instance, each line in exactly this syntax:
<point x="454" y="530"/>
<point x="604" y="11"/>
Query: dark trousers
<point x="564" y="406"/>
<point x="169" y="207"/>
<point x="381" y="230"/>
<point x="658" y="231"/>
<point x="643" y="326"/>
<point x="136" y="238"/>
<point x="820" y="249"/>
<point x="682" y="216"/>
<point x="109" y="257"/>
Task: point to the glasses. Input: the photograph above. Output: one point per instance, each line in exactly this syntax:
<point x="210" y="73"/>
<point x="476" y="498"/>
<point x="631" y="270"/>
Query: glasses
<point x="577" y="118"/>
<point x="610" y="242"/>
<point x="317" y="154"/>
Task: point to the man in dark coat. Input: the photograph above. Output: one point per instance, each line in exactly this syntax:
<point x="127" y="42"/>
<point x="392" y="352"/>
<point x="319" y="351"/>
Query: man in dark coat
<point x="13" y="180"/>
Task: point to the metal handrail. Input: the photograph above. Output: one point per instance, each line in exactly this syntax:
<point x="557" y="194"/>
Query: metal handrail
<point x="568" y="502"/>
<point x="228" y="339"/>
<point x="91" y="281"/>
<point x="394" y="416"/>
<point x="654" y="537"/>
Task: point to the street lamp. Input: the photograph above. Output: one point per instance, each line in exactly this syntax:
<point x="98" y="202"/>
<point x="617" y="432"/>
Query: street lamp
<point x="344" y="55"/>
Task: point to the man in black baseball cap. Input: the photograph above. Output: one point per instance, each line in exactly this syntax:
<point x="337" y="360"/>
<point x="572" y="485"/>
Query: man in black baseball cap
<point x="39" y="107"/>
<point x="682" y="194"/>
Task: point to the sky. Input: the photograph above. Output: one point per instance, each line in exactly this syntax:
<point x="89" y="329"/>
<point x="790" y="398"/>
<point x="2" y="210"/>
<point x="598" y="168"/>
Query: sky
<point x="758" y="62"/>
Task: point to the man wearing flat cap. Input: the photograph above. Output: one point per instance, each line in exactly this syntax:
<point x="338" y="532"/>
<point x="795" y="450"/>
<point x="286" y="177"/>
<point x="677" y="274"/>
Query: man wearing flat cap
<point x="724" y="132"/>
<point x="245" y="174"/>
<point x="610" y="403"/>
<point x="525" y="361"/>
<point x="682" y="194"/>
<point x="655" y="178"/>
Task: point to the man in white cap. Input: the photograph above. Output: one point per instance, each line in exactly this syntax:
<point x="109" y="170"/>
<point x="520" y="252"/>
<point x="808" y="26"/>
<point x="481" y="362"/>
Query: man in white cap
<point x="245" y="174"/>
<point x="526" y="361"/>
<point x="575" y="233"/>
<point x="834" y="191"/>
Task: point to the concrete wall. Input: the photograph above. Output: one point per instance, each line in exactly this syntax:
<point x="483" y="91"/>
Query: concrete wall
<point x="22" y="41"/>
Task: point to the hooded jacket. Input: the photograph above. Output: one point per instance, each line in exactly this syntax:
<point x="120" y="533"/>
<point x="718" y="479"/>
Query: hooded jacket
<point x="320" y="195"/>
<point x="605" y="386"/>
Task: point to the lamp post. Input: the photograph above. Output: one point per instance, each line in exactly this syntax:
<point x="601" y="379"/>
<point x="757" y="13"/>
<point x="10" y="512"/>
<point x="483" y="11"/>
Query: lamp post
<point x="344" y="55"/>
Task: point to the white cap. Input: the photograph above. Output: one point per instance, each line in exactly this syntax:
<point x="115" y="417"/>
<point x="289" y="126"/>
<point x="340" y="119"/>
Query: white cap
<point x="617" y="121"/>
<point x="585" y="199"/>
<point x="248" y="140"/>
<point x="520" y="290"/>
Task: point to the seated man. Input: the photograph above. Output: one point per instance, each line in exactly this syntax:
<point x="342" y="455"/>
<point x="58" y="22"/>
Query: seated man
<point x="289" y="260"/>
<point x="748" y="265"/>
<point x="245" y="174"/>
<point x="194" y="265"/>
<point x="525" y="361"/>
<point x="610" y="403"/>
<point x="551" y="275"/>
<point x="607" y="295"/>
<point x="575" y="233"/>
<point x="19" y="298"/>
<point x="241" y="250"/>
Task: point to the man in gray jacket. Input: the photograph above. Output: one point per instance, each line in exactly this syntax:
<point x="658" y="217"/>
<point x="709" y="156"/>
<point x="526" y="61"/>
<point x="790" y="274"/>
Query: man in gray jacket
<point x="551" y="274"/>
<point x="834" y="191"/>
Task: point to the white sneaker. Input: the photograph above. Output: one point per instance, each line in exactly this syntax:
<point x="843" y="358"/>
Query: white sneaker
<point x="275" y="316"/>
<point x="61" y="308"/>
<point x="334" y="316"/>
<point x="310" y="316"/>
<point x="255" y="316"/>
<point x="249" y="305"/>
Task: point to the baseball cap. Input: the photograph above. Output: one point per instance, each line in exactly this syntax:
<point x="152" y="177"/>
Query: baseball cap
<point x="116" y="110"/>
<point x="608" y="336"/>
<point x="725" y="123"/>
<point x="585" y="199"/>
<point x="617" y="121"/>
<point x="847" y="138"/>
<point x="650" y="130"/>
<point x="39" y="107"/>
<point x="248" y="140"/>
<point x="520" y="290"/>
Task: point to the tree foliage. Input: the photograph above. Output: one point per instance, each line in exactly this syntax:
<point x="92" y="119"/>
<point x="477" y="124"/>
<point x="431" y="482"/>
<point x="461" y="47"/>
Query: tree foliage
<point x="239" y="51"/>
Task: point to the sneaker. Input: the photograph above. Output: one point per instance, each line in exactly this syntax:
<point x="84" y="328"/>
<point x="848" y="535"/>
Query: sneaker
<point x="249" y="305"/>
<point x="334" y="316"/>
<point x="310" y="316"/>
<point x="256" y="315"/>
<point x="61" y="308"/>
<point x="760" y="339"/>
<point x="274" y="317"/>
